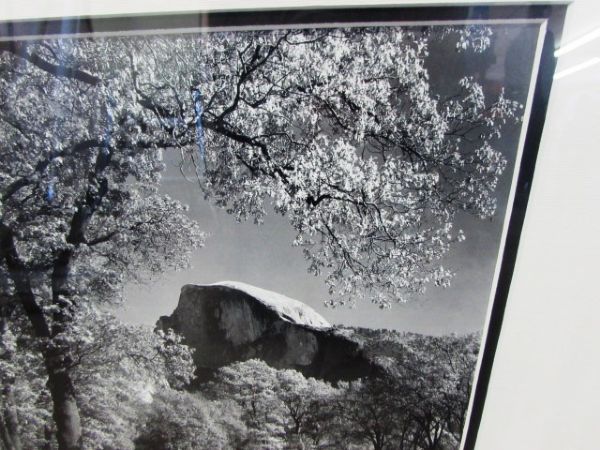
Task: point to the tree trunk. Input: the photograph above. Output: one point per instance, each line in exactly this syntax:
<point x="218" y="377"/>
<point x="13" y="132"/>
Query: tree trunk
<point x="65" y="410"/>
<point x="378" y="441"/>
<point x="57" y="359"/>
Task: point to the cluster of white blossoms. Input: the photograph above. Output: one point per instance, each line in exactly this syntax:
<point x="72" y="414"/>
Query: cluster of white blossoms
<point x="338" y="129"/>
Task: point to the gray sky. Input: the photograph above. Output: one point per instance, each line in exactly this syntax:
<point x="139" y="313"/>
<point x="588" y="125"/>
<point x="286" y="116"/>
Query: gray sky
<point x="263" y="255"/>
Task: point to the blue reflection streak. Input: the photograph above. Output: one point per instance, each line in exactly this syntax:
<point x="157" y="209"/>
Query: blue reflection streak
<point x="197" y="98"/>
<point x="50" y="194"/>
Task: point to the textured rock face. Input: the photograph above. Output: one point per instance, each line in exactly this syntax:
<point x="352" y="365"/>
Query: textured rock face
<point x="223" y="323"/>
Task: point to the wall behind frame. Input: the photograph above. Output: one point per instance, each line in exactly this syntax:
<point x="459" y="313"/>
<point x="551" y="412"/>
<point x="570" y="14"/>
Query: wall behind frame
<point x="544" y="393"/>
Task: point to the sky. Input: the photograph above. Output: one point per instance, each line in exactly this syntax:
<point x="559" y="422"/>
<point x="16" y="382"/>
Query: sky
<point x="263" y="255"/>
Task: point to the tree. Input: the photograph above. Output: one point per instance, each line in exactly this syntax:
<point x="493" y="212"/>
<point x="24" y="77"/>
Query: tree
<point x="374" y="412"/>
<point x="117" y="370"/>
<point x="23" y="397"/>
<point x="80" y="213"/>
<point x="420" y="398"/>
<point x="181" y="420"/>
<point x="441" y="370"/>
<point x="340" y="131"/>
<point x="337" y="129"/>
<point x="281" y="408"/>
<point x="253" y="386"/>
<point x="306" y="408"/>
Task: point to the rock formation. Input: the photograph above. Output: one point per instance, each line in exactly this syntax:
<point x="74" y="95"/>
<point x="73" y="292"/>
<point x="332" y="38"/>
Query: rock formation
<point x="229" y="322"/>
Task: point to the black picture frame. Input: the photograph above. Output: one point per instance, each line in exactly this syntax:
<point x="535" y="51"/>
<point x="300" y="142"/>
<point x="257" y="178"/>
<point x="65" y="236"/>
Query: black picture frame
<point x="551" y="14"/>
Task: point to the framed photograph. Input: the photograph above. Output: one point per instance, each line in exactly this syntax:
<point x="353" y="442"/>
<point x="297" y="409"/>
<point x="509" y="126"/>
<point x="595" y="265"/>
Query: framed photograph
<point x="278" y="229"/>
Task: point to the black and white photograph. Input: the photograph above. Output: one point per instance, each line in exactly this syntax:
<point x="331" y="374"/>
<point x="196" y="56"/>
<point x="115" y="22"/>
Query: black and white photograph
<point x="255" y="237"/>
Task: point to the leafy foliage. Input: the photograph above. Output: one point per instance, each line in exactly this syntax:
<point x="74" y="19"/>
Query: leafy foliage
<point x="180" y="420"/>
<point x="340" y="131"/>
<point x="418" y="402"/>
<point x="116" y="369"/>
<point x="80" y="209"/>
<point x="24" y="393"/>
<point x="281" y="408"/>
<point x="421" y="400"/>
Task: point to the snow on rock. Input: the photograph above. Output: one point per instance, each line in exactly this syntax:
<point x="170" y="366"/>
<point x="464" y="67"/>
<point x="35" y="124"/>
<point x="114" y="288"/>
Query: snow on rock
<point x="288" y="309"/>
